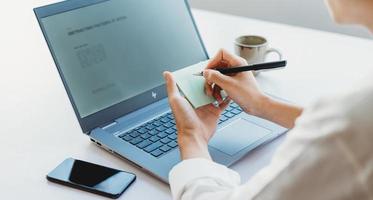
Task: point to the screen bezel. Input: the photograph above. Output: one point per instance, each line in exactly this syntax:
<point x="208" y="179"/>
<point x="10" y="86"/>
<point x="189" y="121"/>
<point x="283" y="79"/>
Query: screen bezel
<point x="118" y="110"/>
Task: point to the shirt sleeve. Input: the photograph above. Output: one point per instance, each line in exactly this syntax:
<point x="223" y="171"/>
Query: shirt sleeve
<point x="194" y="176"/>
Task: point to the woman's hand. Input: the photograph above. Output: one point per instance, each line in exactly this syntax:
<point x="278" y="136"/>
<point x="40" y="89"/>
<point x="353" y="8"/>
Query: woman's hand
<point x="241" y="87"/>
<point x="195" y="127"/>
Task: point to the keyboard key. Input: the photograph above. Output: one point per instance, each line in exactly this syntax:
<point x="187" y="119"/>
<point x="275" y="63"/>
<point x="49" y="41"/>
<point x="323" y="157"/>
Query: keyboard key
<point x="236" y="111"/>
<point x="165" y="119"/>
<point x="142" y="130"/>
<point x="234" y="105"/>
<point x="154" y="138"/>
<point x="172" y="136"/>
<point x="157" y="153"/>
<point x="137" y="140"/>
<point x="161" y="128"/>
<point x="165" y="148"/>
<point x="168" y="124"/>
<point x="157" y="123"/>
<point x="153" y="132"/>
<point x="165" y="140"/>
<point x="223" y="118"/>
<point x="172" y="144"/>
<point x="229" y="115"/>
<point x="129" y="132"/>
<point x="153" y="146"/>
<point x="150" y="126"/>
<point x="134" y="134"/>
<point x="162" y="134"/>
<point x="123" y="134"/>
<point x="170" y="131"/>
<point x="144" y="144"/>
<point x="229" y="108"/>
<point x="145" y="136"/>
<point x="127" y="138"/>
<point x="171" y="116"/>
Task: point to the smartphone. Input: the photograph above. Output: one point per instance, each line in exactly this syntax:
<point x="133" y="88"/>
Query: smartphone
<point x="92" y="178"/>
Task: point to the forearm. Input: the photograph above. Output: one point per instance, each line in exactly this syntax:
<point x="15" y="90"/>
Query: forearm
<point x="193" y="147"/>
<point x="279" y="112"/>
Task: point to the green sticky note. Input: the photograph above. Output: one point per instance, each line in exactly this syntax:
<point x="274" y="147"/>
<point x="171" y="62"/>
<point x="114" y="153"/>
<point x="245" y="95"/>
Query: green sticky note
<point x="192" y="86"/>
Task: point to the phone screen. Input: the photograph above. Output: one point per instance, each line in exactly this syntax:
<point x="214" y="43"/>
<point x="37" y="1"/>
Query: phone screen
<point x="91" y="177"/>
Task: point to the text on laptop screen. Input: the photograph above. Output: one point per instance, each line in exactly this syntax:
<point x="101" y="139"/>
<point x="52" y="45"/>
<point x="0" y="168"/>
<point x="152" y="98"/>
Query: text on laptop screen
<point x="115" y="50"/>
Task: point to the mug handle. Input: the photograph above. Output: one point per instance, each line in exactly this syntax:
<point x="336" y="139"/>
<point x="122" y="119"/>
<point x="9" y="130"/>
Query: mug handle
<point x="272" y="50"/>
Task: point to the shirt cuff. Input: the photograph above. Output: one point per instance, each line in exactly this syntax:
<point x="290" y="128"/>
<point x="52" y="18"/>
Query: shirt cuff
<point x="192" y="169"/>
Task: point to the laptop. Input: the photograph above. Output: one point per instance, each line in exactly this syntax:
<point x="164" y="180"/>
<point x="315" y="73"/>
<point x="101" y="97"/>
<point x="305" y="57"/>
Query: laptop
<point x="110" y="55"/>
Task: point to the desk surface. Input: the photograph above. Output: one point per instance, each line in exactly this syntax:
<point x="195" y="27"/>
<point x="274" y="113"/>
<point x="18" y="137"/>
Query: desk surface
<point x="39" y="128"/>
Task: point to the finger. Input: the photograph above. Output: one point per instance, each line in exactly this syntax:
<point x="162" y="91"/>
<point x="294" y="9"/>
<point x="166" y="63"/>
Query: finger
<point x="172" y="89"/>
<point x="233" y="60"/>
<point x="220" y="107"/>
<point x="216" y="77"/>
<point x="225" y="103"/>
<point x="224" y="56"/>
<point x="217" y="94"/>
<point x="216" y="60"/>
<point x="208" y="89"/>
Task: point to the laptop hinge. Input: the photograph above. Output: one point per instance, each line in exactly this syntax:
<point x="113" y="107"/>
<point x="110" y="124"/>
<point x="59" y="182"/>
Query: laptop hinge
<point x="108" y="125"/>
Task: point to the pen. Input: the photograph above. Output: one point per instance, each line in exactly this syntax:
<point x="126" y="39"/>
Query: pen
<point x="254" y="67"/>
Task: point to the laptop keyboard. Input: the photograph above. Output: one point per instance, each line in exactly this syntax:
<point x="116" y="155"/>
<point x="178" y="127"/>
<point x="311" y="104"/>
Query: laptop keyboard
<point x="159" y="136"/>
<point x="231" y="111"/>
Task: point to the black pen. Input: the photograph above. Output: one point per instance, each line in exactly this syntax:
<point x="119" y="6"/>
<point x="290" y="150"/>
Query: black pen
<point x="254" y="67"/>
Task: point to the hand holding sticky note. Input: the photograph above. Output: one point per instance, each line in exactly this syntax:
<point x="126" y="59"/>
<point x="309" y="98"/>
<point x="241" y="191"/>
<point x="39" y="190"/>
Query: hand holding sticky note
<point x="192" y="86"/>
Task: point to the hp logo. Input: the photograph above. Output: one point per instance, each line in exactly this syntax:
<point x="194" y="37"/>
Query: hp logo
<point x="154" y="95"/>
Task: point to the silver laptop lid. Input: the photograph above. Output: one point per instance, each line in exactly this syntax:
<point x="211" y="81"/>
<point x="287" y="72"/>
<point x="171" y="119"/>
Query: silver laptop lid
<point x="111" y="53"/>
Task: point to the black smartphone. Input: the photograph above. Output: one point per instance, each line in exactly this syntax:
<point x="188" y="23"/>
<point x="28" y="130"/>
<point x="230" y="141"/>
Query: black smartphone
<point x="92" y="178"/>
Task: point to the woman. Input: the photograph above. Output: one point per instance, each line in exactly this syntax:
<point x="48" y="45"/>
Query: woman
<point x="328" y="154"/>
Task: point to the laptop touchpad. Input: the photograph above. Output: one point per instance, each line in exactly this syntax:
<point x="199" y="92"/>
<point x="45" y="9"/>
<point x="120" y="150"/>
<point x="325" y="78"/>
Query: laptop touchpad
<point x="237" y="136"/>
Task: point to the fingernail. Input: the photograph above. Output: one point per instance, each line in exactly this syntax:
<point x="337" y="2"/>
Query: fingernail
<point x="165" y="76"/>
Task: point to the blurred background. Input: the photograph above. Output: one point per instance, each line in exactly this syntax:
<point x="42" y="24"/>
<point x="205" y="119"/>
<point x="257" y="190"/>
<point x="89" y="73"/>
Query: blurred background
<point x="306" y="13"/>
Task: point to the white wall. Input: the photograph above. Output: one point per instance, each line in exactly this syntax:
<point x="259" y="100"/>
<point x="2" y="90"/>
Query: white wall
<point x="307" y="13"/>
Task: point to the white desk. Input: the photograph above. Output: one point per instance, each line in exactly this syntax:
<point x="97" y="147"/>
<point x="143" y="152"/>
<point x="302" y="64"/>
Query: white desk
<point x="39" y="128"/>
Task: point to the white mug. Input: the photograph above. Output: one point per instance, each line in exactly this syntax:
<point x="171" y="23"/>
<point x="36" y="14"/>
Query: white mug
<point x="254" y="49"/>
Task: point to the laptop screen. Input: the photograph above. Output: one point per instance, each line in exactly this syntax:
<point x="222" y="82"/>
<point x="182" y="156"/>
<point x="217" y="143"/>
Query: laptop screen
<point x="115" y="50"/>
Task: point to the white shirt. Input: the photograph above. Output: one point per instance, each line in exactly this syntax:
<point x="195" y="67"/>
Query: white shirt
<point x="328" y="155"/>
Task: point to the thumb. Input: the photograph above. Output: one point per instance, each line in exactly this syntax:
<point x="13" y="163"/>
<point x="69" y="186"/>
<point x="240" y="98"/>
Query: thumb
<point x="172" y="89"/>
<point x="180" y="107"/>
<point x="218" y="78"/>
